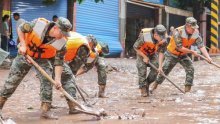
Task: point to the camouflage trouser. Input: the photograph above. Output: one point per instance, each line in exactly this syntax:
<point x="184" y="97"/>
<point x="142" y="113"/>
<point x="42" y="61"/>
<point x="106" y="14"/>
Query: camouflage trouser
<point x="170" y="61"/>
<point x="68" y="81"/>
<point x="101" y="70"/>
<point x="142" y="71"/>
<point x="20" y="67"/>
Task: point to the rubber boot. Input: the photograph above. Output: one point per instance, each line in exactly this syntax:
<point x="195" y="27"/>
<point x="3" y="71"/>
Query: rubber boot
<point x="46" y="113"/>
<point x="144" y="91"/>
<point x="101" y="93"/>
<point x="2" y="102"/>
<point x="187" y="88"/>
<point x="154" y="87"/>
<point x="72" y="107"/>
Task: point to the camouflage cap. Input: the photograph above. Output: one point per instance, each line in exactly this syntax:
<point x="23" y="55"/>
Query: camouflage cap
<point x="192" y="21"/>
<point x="65" y="26"/>
<point x="92" y="39"/>
<point x="161" y="30"/>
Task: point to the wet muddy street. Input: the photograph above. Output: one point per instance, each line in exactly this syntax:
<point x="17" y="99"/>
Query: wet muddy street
<point x="166" y="106"/>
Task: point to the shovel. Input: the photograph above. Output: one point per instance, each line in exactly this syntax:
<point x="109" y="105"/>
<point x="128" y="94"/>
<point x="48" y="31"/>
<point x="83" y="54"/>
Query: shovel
<point x="83" y="98"/>
<point x="154" y="67"/>
<point x="81" y="108"/>
<point x="6" y="121"/>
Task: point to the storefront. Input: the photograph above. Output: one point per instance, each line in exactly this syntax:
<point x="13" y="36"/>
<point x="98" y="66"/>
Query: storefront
<point x="139" y="15"/>
<point x="100" y="20"/>
<point x="176" y="17"/>
<point x="32" y="9"/>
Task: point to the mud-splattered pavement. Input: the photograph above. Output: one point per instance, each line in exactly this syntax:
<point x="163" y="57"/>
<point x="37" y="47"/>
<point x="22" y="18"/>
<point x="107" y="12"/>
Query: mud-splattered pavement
<point x="124" y="105"/>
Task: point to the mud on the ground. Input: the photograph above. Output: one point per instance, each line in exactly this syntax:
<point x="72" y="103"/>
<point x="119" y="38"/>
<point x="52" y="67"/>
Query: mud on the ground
<point x="124" y="105"/>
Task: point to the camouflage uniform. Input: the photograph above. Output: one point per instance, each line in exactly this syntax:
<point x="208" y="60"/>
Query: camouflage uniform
<point x="171" y="60"/>
<point x="20" y="67"/>
<point x="142" y="66"/>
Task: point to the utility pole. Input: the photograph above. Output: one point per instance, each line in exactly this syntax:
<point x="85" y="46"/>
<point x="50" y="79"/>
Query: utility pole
<point x="214" y="26"/>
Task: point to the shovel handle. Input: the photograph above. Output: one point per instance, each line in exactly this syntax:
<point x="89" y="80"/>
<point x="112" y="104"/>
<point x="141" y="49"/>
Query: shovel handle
<point x="84" y="91"/>
<point x="213" y="63"/>
<point x="154" y="67"/>
<point x="80" y="93"/>
<point x="2" y="121"/>
<point x="53" y="82"/>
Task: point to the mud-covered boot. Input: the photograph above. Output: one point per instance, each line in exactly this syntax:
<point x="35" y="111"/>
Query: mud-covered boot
<point x="72" y="107"/>
<point x="154" y="87"/>
<point x="101" y="93"/>
<point x="187" y="88"/>
<point x="143" y="92"/>
<point x="2" y="102"/>
<point x="46" y="113"/>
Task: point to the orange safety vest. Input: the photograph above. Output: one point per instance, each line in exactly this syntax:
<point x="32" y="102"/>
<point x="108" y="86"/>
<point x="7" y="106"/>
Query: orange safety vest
<point x="34" y="40"/>
<point x="186" y="41"/>
<point x="148" y="48"/>
<point x="73" y="44"/>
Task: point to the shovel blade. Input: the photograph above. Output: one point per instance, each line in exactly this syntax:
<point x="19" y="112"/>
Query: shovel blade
<point x="7" y="121"/>
<point x="90" y="111"/>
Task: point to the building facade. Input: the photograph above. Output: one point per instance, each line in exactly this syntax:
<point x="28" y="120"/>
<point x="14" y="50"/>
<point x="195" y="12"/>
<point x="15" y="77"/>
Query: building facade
<point x="115" y="22"/>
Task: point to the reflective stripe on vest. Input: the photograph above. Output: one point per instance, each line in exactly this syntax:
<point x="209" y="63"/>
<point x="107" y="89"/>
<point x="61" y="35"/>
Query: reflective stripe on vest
<point x="186" y="41"/>
<point x="148" y="48"/>
<point x="58" y="44"/>
<point x="147" y="34"/>
<point x="40" y="27"/>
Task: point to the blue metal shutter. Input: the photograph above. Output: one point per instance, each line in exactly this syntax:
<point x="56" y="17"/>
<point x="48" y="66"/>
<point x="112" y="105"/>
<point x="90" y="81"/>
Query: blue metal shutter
<point x="32" y="9"/>
<point x="100" y="20"/>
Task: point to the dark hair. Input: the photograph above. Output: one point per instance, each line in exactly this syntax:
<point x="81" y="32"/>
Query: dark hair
<point x="16" y="14"/>
<point x="55" y="16"/>
<point x="5" y="17"/>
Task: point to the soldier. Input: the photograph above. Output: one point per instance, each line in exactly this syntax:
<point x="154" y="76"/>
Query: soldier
<point x="45" y="42"/>
<point x="177" y="50"/>
<point x="96" y="58"/>
<point x="87" y="52"/>
<point x="149" y="42"/>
